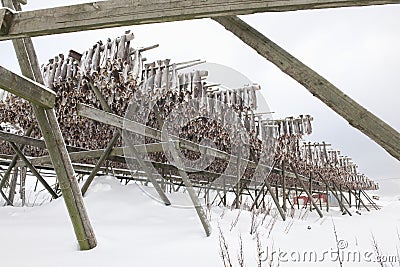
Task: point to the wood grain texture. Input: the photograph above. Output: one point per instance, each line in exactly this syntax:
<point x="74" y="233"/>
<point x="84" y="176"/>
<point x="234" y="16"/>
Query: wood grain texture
<point x="106" y="14"/>
<point x="23" y="87"/>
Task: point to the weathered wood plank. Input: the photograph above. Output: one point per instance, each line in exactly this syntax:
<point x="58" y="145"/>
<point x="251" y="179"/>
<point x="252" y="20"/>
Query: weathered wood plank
<point x="26" y="88"/>
<point x="309" y="194"/>
<point x="358" y="117"/>
<point x="54" y="141"/>
<point x="5" y="20"/>
<point x="13" y="162"/>
<point x="106" y="14"/>
<point x="173" y="146"/>
<point x="99" y="163"/>
<point x="24" y="140"/>
<point x="132" y="150"/>
<point x="33" y="170"/>
<point x="97" y="153"/>
<point x="30" y="141"/>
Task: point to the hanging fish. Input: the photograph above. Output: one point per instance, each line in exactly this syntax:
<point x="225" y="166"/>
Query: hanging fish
<point x="197" y="87"/>
<point x="105" y="55"/>
<point x="174" y="81"/>
<point x="165" y="75"/>
<point x="121" y="48"/>
<point x="88" y="61"/>
<point x="114" y="49"/>
<point x="157" y="78"/>
<point x="137" y="65"/>
<point x="96" y="57"/>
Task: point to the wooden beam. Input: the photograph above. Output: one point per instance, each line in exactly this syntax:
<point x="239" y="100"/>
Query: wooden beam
<point x="342" y="206"/>
<point x="51" y="133"/>
<point x="357" y="198"/>
<point x="27" y="89"/>
<point x="99" y="163"/>
<point x="30" y="141"/>
<point x="309" y="194"/>
<point x="173" y="147"/>
<point x="13" y="163"/>
<point x="24" y="140"/>
<point x="132" y="151"/>
<point x="106" y="14"/>
<point x="358" y="117"/>
<point x="5" y="20"/>
<point x="33" y="170"/>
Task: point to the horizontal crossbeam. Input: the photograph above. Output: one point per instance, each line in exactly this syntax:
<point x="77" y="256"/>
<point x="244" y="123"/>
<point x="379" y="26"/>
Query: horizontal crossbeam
<point x="32" y="91"/>
<point x="106" y="14"/>
<point x="30" y="141"/>
<point x="131" y="126"/>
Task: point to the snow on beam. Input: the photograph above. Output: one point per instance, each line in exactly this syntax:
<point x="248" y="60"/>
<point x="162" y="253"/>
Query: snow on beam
<point x="106" y="14"/>
<point x="34" y="92"/>
<point x="358" y="117"/>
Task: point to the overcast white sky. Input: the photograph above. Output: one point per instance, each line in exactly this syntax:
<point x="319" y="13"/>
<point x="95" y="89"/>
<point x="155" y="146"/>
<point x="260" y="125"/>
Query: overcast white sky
<point x="357" y="49"/>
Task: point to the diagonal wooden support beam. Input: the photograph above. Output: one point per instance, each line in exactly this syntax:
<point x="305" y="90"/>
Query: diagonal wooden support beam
<point x="8" y="202"/>
<point x="370" y="200"/>
<point x="13" y="162"/>
<point x="100" y="162"/>
<point x="334" y="194"/>
<point x="358" y="117"/>
<point x="105" y="14"/>
<point x="358" y="198"/>
<point x="173" y="146"/>
<point x="262" y="188"/>
<point x="309" y="194"/>
<point x="341" y="193"/>
<point x="27" y="89"/>
<point x="33" y="170"/>
<point x="132" y="149"/>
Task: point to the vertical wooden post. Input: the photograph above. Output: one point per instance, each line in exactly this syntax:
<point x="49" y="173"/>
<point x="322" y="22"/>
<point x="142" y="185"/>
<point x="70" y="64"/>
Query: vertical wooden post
<point x="297" y="197"/>
<point x="350" y="198"/>
<point x="311" y="197"/>
<point x="51" y="133"/>
<point x="11" y="166"/>
<point x="283" y="187"/>
<point x="342" y="206"/>
<point x="327" y="199"/>
<point x="33" y="170"/>
<point x="22" y="185"/>
<point x="13" y="185"/>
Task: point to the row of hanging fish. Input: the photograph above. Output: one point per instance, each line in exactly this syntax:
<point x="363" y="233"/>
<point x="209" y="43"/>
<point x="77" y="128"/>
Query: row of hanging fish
<point x="117" y="69"/>
<point x="299" y="126"/>
<point x="102" y="59"/>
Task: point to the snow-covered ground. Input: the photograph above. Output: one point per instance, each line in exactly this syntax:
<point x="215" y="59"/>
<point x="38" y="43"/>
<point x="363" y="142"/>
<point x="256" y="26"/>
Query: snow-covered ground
<point x="132" y="229"/>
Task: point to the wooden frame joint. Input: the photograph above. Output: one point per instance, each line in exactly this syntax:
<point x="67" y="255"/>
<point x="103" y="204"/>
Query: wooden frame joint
<point x="6" y="16"/>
